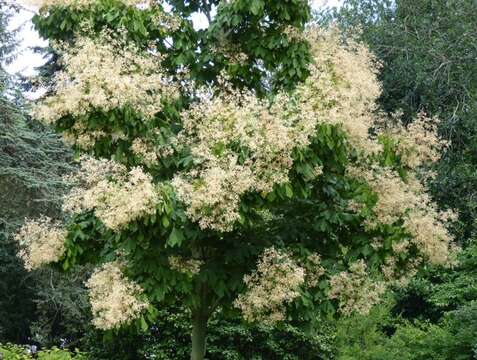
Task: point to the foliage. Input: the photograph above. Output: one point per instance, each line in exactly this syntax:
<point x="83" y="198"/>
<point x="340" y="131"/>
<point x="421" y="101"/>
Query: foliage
<point x="369" y="338"/>
<point x="233" y="340"/>
<point x="428" y="52"/>
<point x="245" y="40"/>
<point x="62" y="311"/>
<point x="438" y="291"/>
<point x="16" y="304"/>
<point x="434" y="317"/>
<point x="228" y="339"/>
<point x="16" y="352"/>
<point x="32" y="160"/>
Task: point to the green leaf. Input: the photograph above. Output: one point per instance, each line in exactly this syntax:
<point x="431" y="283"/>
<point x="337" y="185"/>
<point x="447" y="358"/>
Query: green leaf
<point x="165" y="221"/>
<point x="144" y="326"/>
<point x="256" y="7"/>
<point x="288" y="191"/>
<point x="175" y="238"/>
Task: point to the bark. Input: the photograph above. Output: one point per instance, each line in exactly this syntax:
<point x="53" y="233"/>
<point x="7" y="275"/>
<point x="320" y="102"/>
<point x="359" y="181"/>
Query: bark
<point x="199" y="334"/>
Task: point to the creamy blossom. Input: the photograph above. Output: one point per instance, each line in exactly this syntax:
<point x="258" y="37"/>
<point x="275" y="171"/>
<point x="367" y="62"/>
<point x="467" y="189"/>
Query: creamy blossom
<point x="274" y="284"/>
<point x="185" y="266"/>
<point x="116" y="195"/>
<point x="104" y="75"/>
<point x="145" y="151"/>
<point x="214" y="197"/>
<point x="394" y="195"/>
<point x="418" y="143"/>
<point x="239" y="144"/>
<point x="313" y="270"/>
<point x="429" y="234"/>
<point x="41" y="242"/>
<point x="236" y="137"/>
<point x="407" y="201"/>
<point x="355" y="290"/>
<point x="114" y="299"/>
<point x="342" y="87"/>
<point x="75" y="3"/>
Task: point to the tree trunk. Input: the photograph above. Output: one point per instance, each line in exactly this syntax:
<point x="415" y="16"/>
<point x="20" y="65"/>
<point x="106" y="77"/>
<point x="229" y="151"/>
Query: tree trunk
<point x="199" y="334"/>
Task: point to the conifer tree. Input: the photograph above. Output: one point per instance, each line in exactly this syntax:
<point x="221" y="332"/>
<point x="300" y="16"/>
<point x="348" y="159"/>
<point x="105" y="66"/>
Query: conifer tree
<point x="32" y="160"/>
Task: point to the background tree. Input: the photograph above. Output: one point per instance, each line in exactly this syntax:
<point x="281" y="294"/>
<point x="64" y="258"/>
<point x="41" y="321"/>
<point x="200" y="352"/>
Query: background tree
<point x="32" y="160"/>
<point x="200" y="190"/>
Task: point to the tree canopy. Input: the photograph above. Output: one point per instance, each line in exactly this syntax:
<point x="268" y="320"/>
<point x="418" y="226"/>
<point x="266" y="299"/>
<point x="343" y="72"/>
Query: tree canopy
<point x="243" y="167"/>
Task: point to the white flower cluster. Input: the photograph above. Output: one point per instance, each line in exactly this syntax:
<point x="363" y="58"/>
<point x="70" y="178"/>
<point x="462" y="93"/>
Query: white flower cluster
<point x="275" y="283"/>
<point x="116" y="195"/>
<point x="41" y="242"/>
<point x="313" y="270"/>
<point x="213" y="195"/>
<point x="239" y="144"/>
<point x="426" y="225"/>
<point x="294" y="33"/>
<point x="418" y="143"/>
<point x="149" y="153"/>
<point x="114" y="299"/>
<point x="394" y="195"/>
<point x="104" y="75"/>
<point x="75" y="3"/>
<point x="185" y="266"/>
<point x="230" y="51"/>
<point x="145" y="151"/>
<point x="342" y="87"/>
<point x="408" y="201"/>
<point x="355" y="290"/>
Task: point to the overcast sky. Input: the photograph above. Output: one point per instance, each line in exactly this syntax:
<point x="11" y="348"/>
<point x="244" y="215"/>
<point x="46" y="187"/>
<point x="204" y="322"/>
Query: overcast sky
<point x="27" y="60"/>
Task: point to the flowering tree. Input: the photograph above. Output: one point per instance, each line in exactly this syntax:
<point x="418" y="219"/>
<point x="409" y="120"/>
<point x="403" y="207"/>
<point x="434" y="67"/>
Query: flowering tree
<point x="223" y="176"/>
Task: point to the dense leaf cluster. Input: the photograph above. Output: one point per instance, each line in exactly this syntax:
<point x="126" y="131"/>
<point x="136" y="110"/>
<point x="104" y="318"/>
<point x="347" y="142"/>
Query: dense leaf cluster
<point x="252" y="28"/>
<point x="426" y="48"/>
<point x="428" y="53"/>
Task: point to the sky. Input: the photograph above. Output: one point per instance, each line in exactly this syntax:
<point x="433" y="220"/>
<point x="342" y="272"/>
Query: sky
<point x="27" y="60"/>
